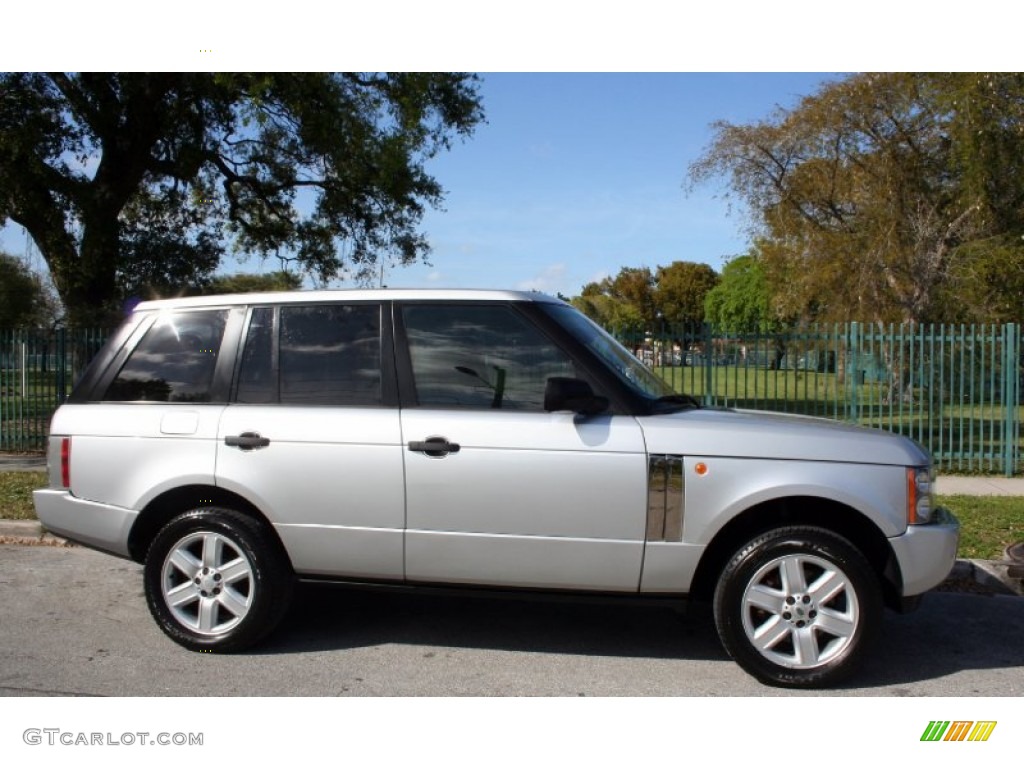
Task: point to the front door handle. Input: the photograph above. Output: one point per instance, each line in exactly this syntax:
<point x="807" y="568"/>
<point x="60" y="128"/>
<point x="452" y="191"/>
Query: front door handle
<point x="434" y="446"/>
<point x="247" y="441"/>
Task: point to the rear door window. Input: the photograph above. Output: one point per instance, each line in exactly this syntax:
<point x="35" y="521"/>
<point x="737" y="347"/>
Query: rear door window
<point x="325" y="355"/>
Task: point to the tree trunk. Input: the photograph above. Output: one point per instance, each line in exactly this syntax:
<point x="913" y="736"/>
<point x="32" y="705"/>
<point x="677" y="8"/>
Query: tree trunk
<point x="92" y="291"/>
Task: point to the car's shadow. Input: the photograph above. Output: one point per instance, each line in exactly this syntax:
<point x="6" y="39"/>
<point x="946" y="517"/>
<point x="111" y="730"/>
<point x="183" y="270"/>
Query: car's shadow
<point x="328" y="618"/>
<point x="950" y="633"/>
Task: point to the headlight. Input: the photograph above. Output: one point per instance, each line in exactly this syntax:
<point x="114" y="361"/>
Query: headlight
<point x="920" y="481"/>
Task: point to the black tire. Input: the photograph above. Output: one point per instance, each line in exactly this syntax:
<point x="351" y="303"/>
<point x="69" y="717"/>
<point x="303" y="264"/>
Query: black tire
<point x="798" y="607"/>
<point x="217" y="580"/>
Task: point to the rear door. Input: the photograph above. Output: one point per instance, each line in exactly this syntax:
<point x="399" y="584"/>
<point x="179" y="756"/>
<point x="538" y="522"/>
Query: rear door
<point x="312" y="437"/>
<point x="500" y="492"/>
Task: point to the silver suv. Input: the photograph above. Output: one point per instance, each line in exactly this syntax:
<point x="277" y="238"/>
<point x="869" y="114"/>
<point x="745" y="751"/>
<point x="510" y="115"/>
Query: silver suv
<point x="234" y="444"/>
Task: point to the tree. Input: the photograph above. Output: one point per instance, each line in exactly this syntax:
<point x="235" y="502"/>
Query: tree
<point x="604" y="310"/>
<point x="608" y="311"/>
<point x="637" y="300"/>
<point x="246" y="283"/>
<point x="740" y="303"/>
<point x="986" y="275"/>
<point x="986" y="135"/>
<point x="24" y="299"/>
<point x="634" y="288"/>
<point x="986" y="282"/>
<point x="680" y="291"/>
<point x="124" y="179"/>
<point x="624" y="303"/>
<point x="864" y="192"/>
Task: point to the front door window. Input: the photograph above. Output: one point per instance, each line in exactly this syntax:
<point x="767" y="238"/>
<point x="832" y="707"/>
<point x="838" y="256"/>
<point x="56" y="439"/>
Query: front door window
<point x="486" y="357"/>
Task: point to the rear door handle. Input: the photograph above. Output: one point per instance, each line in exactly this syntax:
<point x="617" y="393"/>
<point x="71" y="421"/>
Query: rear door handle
<point x="434" y="446"/>
<point x="247" y="441"/>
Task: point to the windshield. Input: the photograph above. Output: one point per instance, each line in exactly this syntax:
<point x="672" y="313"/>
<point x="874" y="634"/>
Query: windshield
<point x="631" y="371"/>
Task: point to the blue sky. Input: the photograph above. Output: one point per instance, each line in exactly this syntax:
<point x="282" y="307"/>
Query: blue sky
<point x="577" y="175"/>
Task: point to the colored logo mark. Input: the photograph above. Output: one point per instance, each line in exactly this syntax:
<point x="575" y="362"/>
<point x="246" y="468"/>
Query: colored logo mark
<point x="958" y="730"/>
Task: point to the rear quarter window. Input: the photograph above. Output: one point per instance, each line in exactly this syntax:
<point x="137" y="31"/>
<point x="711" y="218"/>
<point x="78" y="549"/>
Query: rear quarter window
<point x="175" y="361"/>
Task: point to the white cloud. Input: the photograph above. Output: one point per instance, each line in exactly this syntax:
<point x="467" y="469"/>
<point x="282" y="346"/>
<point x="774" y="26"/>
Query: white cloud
<point x="550" y="280"/>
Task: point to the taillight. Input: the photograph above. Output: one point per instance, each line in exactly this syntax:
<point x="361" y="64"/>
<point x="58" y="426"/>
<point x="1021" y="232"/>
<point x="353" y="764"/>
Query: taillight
<point x="65" y="462"/>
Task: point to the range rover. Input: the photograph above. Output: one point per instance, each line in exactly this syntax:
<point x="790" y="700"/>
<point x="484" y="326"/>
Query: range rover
<point x="234" y="445"/>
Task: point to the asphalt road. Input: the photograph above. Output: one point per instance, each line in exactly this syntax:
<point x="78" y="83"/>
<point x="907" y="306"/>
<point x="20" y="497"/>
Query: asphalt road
<point x="74" y="622"/>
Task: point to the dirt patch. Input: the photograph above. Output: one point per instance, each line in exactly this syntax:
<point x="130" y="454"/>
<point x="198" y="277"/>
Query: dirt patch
<point x="32" y="541"/>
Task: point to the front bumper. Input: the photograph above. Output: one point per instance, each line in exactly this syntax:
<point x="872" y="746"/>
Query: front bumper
<point x="100" y="526"/>
<point x="926" y="553"/>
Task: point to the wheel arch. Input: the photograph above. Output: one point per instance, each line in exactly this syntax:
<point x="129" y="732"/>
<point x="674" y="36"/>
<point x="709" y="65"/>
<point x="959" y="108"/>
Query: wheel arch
<point x="163" y="508"/>
<point x="824" y="513"/>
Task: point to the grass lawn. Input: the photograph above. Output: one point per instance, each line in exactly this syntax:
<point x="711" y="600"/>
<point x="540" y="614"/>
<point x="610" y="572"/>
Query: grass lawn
<point x="990" y="523"/>
<point x="16" y="494"/>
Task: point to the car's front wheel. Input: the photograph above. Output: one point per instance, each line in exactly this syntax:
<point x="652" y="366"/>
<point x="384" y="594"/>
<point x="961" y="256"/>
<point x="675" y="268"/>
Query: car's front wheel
<point x="216" y="580"/>
<point x="798" y="606"/>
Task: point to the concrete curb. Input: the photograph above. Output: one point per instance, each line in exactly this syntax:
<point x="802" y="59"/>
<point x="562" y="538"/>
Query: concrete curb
<point x="998" y="575"/>
<point x="31" y="529"/>
<point x="22" y="463"/>
<point x="27" y="532"/>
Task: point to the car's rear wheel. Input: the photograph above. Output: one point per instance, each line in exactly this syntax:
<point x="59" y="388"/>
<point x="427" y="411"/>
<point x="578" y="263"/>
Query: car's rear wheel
<point x="216" y="580"/>
<point x="798" y="607"/>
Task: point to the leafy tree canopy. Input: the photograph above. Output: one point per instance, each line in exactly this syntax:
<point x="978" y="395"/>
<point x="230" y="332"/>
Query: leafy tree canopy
<point x="680" y="290"/>
<point x="127" y="181"/>
<point x="740" y="303"/>
<point x="638" y="300"/>
<point x="868" y="192"/>
<point x="24" y="299"/>
<point x="624" y="302"/>
<point x="249" y="283"/>
<point x="986" y="281"/>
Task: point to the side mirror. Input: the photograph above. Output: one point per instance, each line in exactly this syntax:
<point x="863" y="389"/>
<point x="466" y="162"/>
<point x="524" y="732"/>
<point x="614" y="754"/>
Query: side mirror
<point x="564" y="394"/>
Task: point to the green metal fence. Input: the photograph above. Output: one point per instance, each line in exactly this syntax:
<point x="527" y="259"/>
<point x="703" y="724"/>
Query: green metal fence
<point x="37" y="370"/>
<point x="955" y="389"/>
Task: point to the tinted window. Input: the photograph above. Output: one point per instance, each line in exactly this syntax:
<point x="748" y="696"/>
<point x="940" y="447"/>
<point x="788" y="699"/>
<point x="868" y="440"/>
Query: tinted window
<point x="625" y="365"/>
<point x="256" y="380"/>
<point x="174" y="361"/>
<point x="480" y="357"/>
<point x="327" y="355"/>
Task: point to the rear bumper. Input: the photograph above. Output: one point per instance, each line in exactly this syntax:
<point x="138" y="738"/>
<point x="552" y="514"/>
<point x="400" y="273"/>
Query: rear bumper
<point x="926" y="553"/>
<point x="100" y="526"/>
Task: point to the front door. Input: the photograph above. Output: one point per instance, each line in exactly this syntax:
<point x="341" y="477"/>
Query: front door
<point x="500" y="492"/>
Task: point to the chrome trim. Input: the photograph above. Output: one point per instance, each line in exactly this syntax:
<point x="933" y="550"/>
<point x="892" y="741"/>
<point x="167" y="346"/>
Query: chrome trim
<point x="665" y="505"/>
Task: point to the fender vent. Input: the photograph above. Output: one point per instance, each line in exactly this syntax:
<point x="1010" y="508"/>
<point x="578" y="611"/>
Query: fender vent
<point x="665" y="498"/>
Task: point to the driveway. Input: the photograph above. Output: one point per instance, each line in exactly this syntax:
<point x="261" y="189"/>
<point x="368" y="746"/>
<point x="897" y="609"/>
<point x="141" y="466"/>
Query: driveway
<point x="74" y="622"/>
